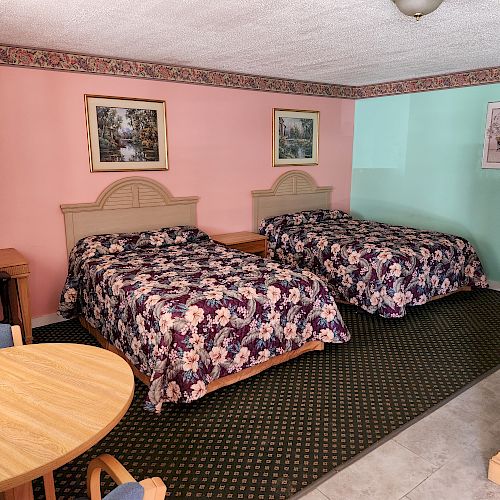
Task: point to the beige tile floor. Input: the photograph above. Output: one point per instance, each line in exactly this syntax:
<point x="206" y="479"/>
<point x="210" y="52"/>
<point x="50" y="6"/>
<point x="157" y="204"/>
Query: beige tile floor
<point x="444" y="456"/>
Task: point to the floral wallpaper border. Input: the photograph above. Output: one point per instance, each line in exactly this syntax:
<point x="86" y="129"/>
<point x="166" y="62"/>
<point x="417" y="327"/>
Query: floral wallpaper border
<point x="425" y="84"/>
<point x="81" y="63"/>
<point x="63" y="61"/>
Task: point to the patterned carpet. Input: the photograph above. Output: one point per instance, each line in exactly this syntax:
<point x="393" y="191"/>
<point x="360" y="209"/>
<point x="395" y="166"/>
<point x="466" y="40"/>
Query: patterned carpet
<point x="274" y="434"/>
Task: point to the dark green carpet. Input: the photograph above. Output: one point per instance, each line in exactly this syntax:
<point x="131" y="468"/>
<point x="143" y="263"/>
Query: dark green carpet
<point x="274" y="434"/>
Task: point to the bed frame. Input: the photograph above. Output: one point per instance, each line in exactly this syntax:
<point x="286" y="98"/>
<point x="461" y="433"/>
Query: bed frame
<point x="139" y="204"/>
<point x="295" y="191"/>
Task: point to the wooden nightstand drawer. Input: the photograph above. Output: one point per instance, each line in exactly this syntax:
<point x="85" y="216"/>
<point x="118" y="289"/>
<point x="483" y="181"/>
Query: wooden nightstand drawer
<point x="244" y="241"/>
<point x="256" y="247"/>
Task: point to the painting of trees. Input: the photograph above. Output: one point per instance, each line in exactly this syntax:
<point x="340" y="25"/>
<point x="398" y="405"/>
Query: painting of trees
<point x="295" y="137"/>
<point x="127" y="134"/>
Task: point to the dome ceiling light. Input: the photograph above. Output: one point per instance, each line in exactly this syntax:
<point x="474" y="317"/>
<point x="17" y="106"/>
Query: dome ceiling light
<point x="417" y="8"/>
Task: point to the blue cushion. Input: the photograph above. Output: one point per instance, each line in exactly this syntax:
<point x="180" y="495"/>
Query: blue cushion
<point x="126" y="491"/>
<point x="6" y="339"/>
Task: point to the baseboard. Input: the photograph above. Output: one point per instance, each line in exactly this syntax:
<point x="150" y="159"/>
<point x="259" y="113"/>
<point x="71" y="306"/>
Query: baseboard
<point x="494" y="285"/>
<point x="49" y="319"/>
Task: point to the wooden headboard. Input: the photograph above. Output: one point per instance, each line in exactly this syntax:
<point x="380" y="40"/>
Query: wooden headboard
<point x="128" y="205"/>
<point x="292" y="191"/>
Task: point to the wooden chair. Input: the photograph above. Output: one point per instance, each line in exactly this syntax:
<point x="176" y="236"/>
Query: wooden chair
<point x="10" y="336"/>
<point x="128" y="488"/>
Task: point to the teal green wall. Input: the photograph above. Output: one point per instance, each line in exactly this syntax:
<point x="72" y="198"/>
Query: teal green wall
<point x="417" y="162"/>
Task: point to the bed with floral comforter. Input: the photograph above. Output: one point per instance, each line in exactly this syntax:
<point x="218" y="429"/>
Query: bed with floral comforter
<point x="186" y="311"/>
<point x="378" y="267"/>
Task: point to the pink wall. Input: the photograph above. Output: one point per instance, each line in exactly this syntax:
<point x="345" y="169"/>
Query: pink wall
<point x="219" y="149"/>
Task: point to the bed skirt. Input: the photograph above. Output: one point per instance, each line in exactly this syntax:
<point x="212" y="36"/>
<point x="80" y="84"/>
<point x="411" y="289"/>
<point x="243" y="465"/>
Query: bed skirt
<point x="314" y="345"/>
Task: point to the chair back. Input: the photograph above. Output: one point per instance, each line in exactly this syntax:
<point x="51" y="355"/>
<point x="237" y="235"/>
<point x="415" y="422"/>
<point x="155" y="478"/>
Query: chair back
<point x="147" y="489"/>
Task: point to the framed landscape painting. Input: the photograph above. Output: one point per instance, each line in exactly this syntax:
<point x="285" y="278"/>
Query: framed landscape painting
<point x="126" y="134"/>
<point x="295" y="137"/>
<point x="491" y="150"/>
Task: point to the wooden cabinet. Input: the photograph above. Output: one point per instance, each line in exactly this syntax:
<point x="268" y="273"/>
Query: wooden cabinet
<point x="245" y="241"/>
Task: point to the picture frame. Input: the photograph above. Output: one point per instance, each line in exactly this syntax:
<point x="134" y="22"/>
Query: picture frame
<point x="126" y="134"/>
<point x="491" y="147"/>
<point x="295" y="137"/>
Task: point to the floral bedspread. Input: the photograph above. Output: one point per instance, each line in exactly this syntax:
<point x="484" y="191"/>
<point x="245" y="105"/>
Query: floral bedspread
<point x="378" y="267"/>
<point x="186" y="311"/>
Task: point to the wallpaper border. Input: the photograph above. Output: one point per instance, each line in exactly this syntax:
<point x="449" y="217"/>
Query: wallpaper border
<point x="82" y="63"/>
<point x="427" y="83"/>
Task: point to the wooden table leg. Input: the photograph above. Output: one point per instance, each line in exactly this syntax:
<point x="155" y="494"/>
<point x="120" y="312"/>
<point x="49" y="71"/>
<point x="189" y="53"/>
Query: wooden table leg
<point x="24" y="303"/>
<point x="23" y="492"/>
<point x="48" y="484"/>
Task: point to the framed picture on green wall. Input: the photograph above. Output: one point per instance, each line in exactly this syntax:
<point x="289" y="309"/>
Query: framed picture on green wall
<point x="491" y="150"/>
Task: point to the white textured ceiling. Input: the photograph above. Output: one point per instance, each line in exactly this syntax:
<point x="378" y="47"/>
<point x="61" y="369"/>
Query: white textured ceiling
<point x="350" y="42"/>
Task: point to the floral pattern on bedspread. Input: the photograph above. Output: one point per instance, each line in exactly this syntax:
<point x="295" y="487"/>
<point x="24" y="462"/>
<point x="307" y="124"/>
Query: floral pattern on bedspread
<point x="188" y="314"/>
<point x="381" y="268"/>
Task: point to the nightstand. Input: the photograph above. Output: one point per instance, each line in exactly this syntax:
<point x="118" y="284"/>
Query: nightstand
<point x="245" y="241"/>
<point x="16" y="266"/>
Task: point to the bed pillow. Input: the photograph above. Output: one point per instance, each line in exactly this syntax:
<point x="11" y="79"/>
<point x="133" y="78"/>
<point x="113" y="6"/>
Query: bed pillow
<point x="334" y="214"/>
<point x="299" y="218"/>
<point x="104" y="244"/>
<point x="167" y="236"/>
<point x="97" y="246"/>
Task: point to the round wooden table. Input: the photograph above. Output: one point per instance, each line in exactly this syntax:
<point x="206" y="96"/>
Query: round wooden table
<point x="56" y="401"/>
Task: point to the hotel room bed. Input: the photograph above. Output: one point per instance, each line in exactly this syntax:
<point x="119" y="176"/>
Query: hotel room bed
<point x="379" y="267"/>
<point x="188" y="313"/>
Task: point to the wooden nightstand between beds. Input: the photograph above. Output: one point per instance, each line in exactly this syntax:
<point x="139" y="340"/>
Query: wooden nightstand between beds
<point x="245" y="241"/>
<point x="16" y="266"/>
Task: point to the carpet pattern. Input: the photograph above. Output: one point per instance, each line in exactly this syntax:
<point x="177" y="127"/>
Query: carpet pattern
<point x="274" y="434"/>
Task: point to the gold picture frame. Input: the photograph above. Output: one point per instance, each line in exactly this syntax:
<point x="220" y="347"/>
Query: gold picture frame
<point x="126" y="134"/>
<point x="295" y="137"/>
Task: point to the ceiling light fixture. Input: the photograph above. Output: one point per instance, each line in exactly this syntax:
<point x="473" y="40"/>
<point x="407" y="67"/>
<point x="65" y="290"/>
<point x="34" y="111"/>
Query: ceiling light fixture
<point x="417" y="8"/>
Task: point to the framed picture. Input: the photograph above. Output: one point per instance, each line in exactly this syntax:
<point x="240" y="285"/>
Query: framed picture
<point x="295" y="137"/>
<point x="491" y="150"/>
<point x="126" y="134"/>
